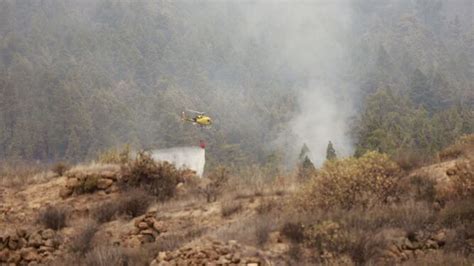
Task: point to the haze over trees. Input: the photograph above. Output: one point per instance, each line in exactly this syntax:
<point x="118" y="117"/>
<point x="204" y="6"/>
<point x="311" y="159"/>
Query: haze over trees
<point x="79" y="77"/>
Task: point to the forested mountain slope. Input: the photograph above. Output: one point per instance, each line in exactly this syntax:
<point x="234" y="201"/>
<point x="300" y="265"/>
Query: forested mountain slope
<point x="78" y="77"/>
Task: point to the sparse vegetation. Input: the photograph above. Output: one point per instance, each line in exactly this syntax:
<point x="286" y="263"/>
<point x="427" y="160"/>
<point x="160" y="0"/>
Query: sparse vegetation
<point x="351" y="182"/>
<point x="81" y="243"/>
<point x="158" y="179"/>
<point x="133" y="203"/>
<point x="60" y="168"/>
<point x="217" y="180"/>
<point x="230" y="207"/>
<point x="53" y="217"/>
<point x="115" y="155"/>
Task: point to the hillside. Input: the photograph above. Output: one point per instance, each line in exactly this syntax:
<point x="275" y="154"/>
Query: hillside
<point x="94" y="212"/>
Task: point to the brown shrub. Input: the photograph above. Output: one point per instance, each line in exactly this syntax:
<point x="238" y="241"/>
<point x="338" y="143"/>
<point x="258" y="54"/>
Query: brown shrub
<point x="293" y="231"/>
<point x="17" y="172"/>
<point x="60" y="168"/>
<point x="104" y="256"/>
<point x="266" y="206"/>
<point x="457" y="212"/>
<point x="105" y="212"/>
<point x="460" y="239"/>
<point x="115" y="155"/>
<point x="351" y="182"/>
<point x="82" y="242"/>
<point x="217" y="180"/>
<point x="159" y="179"/>
<point x="327" y="236"/>
<point x="133" y="203"/>
<point x="424" y="188"/>
<point x="230" y="207"/>
<point x="87" y="185"/>
<point x="53" y="217"/>
<point x="262" y="231"/>
<point x="409" y="160"/>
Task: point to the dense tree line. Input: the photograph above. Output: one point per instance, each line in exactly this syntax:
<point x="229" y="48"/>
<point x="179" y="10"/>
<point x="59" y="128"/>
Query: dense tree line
<point x="78" y="77"/>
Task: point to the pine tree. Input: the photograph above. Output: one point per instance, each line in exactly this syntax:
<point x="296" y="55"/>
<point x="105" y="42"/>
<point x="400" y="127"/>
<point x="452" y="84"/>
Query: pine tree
<point x="330" y="152"/>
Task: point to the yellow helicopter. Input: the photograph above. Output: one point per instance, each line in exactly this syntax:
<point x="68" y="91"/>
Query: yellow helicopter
<point x="199" y="119"/>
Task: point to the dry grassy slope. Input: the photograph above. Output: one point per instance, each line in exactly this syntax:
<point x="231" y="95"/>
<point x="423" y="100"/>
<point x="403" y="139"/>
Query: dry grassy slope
<point x="188" y="222"/>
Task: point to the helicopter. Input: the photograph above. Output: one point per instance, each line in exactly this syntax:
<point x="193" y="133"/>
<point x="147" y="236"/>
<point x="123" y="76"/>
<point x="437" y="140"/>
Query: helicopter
<point x="199" y="119"/>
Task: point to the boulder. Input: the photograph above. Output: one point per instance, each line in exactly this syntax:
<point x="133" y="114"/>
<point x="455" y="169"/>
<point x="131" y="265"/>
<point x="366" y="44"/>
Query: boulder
<point x="21" y="233"/>
<point x="29" y="254"/>
<point x="13" y="242"/>
<point x="65" y="192"/>
<point x="4" y="255"/>
<point x="142" y="226"/>
<point x="48" y="234"/>
<point x="14" y="257"/>
<point x="35" y="240"/>
<point x="104" y="183"/>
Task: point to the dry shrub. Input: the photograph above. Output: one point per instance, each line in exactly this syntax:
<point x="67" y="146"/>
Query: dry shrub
<point x="464" y="146"/>
<point x="158" y="179"/>
<point x="105" y="212"/>
<point x="408" y="160"/>
<point x="82" y="242"/>
<point x="293" y="231"/>
<point x="115" y="155"/>
<point x="440" y="259"/>
<point x="457" y="212"/>
<point x="104" y="256"/>
<point x="262" y="231"/>
<point x="53" y="217"/>
<point x="133" y="203"/>
<point x="346" y="183"/>
<point x="266" y="206"/>
<point x="230" y="207"/>
<point x="460" y="239"/>
<point x="174" y="241"/>
<point x="217" y="180"/>
<point x="424" y="188"/>
<point x="327" y="236"/>
<point x="87" y="185"/>
<point x="295" y="252"/>
<point x="17" y="172"/>
<point x="60" y="168"/>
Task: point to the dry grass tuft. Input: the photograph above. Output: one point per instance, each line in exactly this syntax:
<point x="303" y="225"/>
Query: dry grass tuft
<point x="230" y="207"/>
<point x="60" y="168"/>
<point x="53" y="217"/>
<point x="132" y="203"/>
<point x="82" y="242"/>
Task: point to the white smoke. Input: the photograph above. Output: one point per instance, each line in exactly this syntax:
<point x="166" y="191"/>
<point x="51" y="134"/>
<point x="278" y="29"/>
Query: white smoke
<point x="313" y="40"/>
<point x="193" y="158"/>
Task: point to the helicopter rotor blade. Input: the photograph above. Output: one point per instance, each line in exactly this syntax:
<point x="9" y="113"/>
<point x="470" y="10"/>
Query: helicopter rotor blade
<point x="196" y="112"/>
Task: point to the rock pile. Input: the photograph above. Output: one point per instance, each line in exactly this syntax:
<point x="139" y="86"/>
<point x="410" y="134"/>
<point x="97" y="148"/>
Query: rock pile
<point x="403" y="248"/>
<point x="211" y="252"/>
<point x="23" y="248"/>
<point x="91" y="178"/>
<point x="146" y="230"/>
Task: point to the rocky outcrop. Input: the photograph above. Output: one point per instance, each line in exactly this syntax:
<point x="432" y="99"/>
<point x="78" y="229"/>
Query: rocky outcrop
<point x="88" y="179"/>
<point x="400" y="247"/>
<point x="146" y="230"/>
<point x="22" y="247"/>
<point x="208" y="253"/>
